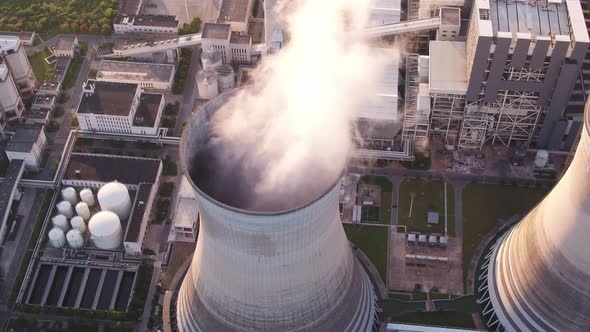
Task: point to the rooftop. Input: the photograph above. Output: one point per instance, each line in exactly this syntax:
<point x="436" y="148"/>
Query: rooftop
<point x="233" y="11"/>
<point x="23" y="35"/>
<point x="108" y="98"/>
<point x="448" y="73"/>
<point x="139" y="209"/>
<point x="539" y="17"/>
<point x="237" y="38"/>
<point x="107" y="168"/>
<point x="168" y="21"/>
<point x="216" y="31"/>
<point x="134" y="71"/>
<point x="43" y="100"/>
<point x="186" y="208"/>
<point x="65" y="43"/>
<point x="9" y="43"/>
<point x="24" y="138"/>
<point x="129" y="7"/>
<point x="13" y="175"/>
<point x="147" y="111"/>
<point x="384" y="107"/>
<point x="384" y="12"/>
<point x="450" y="16"/>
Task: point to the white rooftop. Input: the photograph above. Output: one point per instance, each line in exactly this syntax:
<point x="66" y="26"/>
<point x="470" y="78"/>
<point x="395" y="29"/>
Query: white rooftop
<point x="186" y="208"/>
<point x="384" y="12"/>
<point x="385" y="105"/>
<point x="448" y="73"/>
<point x="3" y="71"/>
<point x="9" y="43"/>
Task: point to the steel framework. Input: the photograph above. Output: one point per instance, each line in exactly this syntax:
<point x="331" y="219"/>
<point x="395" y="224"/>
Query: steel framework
<point x="416" y="122"/>
<point x="446" y="115"/>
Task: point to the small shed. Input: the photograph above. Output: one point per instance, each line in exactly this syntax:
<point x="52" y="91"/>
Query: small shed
<point x="422" y="239"/>
<point x="432" y="240"/>
<point x="412" y="238"/>
<point x="444" y="240"/>
<point x="432" y="217"/>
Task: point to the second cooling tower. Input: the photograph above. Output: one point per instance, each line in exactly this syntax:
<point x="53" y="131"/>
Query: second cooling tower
<point x="263" y="269"/>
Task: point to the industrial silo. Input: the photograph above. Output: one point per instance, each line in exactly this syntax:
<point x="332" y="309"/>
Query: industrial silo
<point x="82" y="210"/>
<point x="60" y="221"/>
<point x="69" y="194"/>
<point x="78" y="224"/>
<point x="65" y="208"/>
<point x="226" y="77"/>
<point x="281" y="263"/>
<point x="75" y="239"/>
<point x="114" y="197"/>
<point x="211" y="58"/>
<point x="87" y="196"/>
<point x="537" y="275"/>
<point x="207" y="84"/>
<point x="105" y="230"/>
<point x="57" y="238"/>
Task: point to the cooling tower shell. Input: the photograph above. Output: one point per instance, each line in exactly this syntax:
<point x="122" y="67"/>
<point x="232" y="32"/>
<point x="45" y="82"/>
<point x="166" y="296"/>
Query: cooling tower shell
<point x="60" y="221"/>
<point x="78" y="224"/>
<point x="105" y="230"/>
<point x="291" y="270"/>
<point x="87" y="197"/>
<point x="226" y="77"/>
<point x="65" y="208"/>
<point x="211" y="58"/>
<point x="69" y="194"/>
<point x="114" y="197"/>
<point x="83" y="211"/>
<point x="75" y="239"/>
<point x="539" y="271"/>
<point x="207" y="84"/>
<point x="57" y="238"/>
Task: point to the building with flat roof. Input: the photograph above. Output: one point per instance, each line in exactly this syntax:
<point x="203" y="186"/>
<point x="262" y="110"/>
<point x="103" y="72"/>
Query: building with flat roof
<point x="236" y="13"/>
<point x="139" y="218"/>
<point x="26" y="38"/>
<point x="119" y="108"/>
<point x="9" y="192"/>
<point x="186" y="214"/>
<point x="11" y="103"/>
<point x="233" y="46"/>
<point x="13" y="55"/>
<point x="28" y="144"/>
<point x="148" y="75"/>
<point x="146" y="24"/>
<point x="385" y="12"/>
<point x="65" y="46"/>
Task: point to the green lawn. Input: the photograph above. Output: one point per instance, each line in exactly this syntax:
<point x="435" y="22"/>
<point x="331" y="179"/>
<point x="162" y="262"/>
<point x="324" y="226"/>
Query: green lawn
<point x="73" y="72"/>
<point x="437" y="318"/>
<point x="43" y="70"/>
<point x="428" y="196"/>
<point x="484" y="204"/>
<point x="372" y="240"/>
<point x="386" y="193"/>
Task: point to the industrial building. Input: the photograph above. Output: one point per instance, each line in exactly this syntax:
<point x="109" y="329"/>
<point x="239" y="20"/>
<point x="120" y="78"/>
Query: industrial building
<point x="11" y="103"/>
<point x="535" y="277"/>
<point x="65" y="46"/>
<point x="119" y="108"/>
<point x="248" y="258"/>
<point x="158" y="76"/>
<point x="234" y="47"/>
<point x="236" y="13"/>
<point x="10" y="192"/>
<point x="27" y="143"/>
<point x="146" y="24"/>
<point x="185" y="217"/>
<point x="27" y="38"/>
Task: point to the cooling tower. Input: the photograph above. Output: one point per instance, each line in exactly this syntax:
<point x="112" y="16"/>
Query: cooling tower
<point x="282" y="266"/>
<point x="538" y="273"/>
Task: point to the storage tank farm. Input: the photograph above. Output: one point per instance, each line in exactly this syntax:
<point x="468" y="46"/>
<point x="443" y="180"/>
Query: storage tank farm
<point x="538" y="272"/>
<point x="266" y="267"/>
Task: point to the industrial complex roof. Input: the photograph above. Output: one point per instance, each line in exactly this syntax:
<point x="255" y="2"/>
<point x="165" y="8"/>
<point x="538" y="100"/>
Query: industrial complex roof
<point x="216" y="31"/>
<point x="134" y="71"/>
<point x="24" y="138"/>
<point x="147" y="111"/>
<point x="384" y="12"/>
<point x="237" y="38"/>
<point x="65" y="43"/>
<point x="384" y="107"/>
<point x="535" y="17"/>
<point x="8" y="43"/>
<point x="186" y="208"/>
<point x="107" y="168"/>
<point x="139" y="209"/>
<point x="448" y="73"/>
<point x="108" y="98"/>
<point x="233" y="11"/>
<point x="13" y="175"/>
<point x="167" y="21"/>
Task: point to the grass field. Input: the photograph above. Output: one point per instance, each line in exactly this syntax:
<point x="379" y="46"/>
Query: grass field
<point x="372" y="240"/>
<point x="437" y="318"/>
<point x="428" y="196"/>
<point x="43" y="70"/>
<point x="484" y="204"/>
<point x="386" y="192"/>
<point x="72" y="72"/>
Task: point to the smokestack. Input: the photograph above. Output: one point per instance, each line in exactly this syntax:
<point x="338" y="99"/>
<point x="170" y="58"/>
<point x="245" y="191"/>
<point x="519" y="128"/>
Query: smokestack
<point x="266" y="263"/>
<point x="538" y="273"/>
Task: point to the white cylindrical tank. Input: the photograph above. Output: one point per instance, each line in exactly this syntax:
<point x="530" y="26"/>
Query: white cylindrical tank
<point x="105" y="230"/>
<point x="207" y="84"/>
<point x="211" y="58"/>
<point x="57" y="239"/>
<point x="65" y="208"/>
<point x="75" y="239"/>
<point x="82" y="210"/>
<point x="69" y="194"/>
<point x="114" y="197"/>
<point x="87" y="196"/>
<point x="60" y="221"/>
<point x="78" y="224"/>
<point x="226" y="77"/>
<point x="541" y="158"/>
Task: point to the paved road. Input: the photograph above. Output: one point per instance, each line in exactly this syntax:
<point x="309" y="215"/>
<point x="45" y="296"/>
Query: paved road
<point x="395" y="181"/>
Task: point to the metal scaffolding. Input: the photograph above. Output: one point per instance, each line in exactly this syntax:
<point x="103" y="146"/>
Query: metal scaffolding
<point x="416" y="122"/>
<point x="446" y="116"/>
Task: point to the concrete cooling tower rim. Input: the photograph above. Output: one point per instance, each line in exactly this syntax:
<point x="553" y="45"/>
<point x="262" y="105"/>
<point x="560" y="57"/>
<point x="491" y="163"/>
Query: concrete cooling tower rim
<point x="185" y="170"/>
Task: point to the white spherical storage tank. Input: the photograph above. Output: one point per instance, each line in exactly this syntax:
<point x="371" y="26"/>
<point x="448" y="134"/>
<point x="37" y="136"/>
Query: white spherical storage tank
<point x="207" y="84"/>
<point x="82" y="210"/>
<point x="79" y="224"/>
<point x="60" y="221"/>
<point x="105" y="230"/>
<point x="87" y="196"/>
<point x="69" y="194"/>
<point x="65" y="208"/>
<point x="57" y="239"/>
<point x="75" y="239"/>
<point x="114" y="197"/>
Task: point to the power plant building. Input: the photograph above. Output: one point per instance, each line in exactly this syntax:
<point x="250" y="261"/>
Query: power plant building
<point x="157" y="76"/>
<point x="28" y="143"/>
<point x="288" y="268"/>
<point x="233" y="46"/>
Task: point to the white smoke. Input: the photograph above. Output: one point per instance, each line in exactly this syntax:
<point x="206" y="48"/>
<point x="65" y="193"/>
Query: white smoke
<point x="294" y="126"/>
